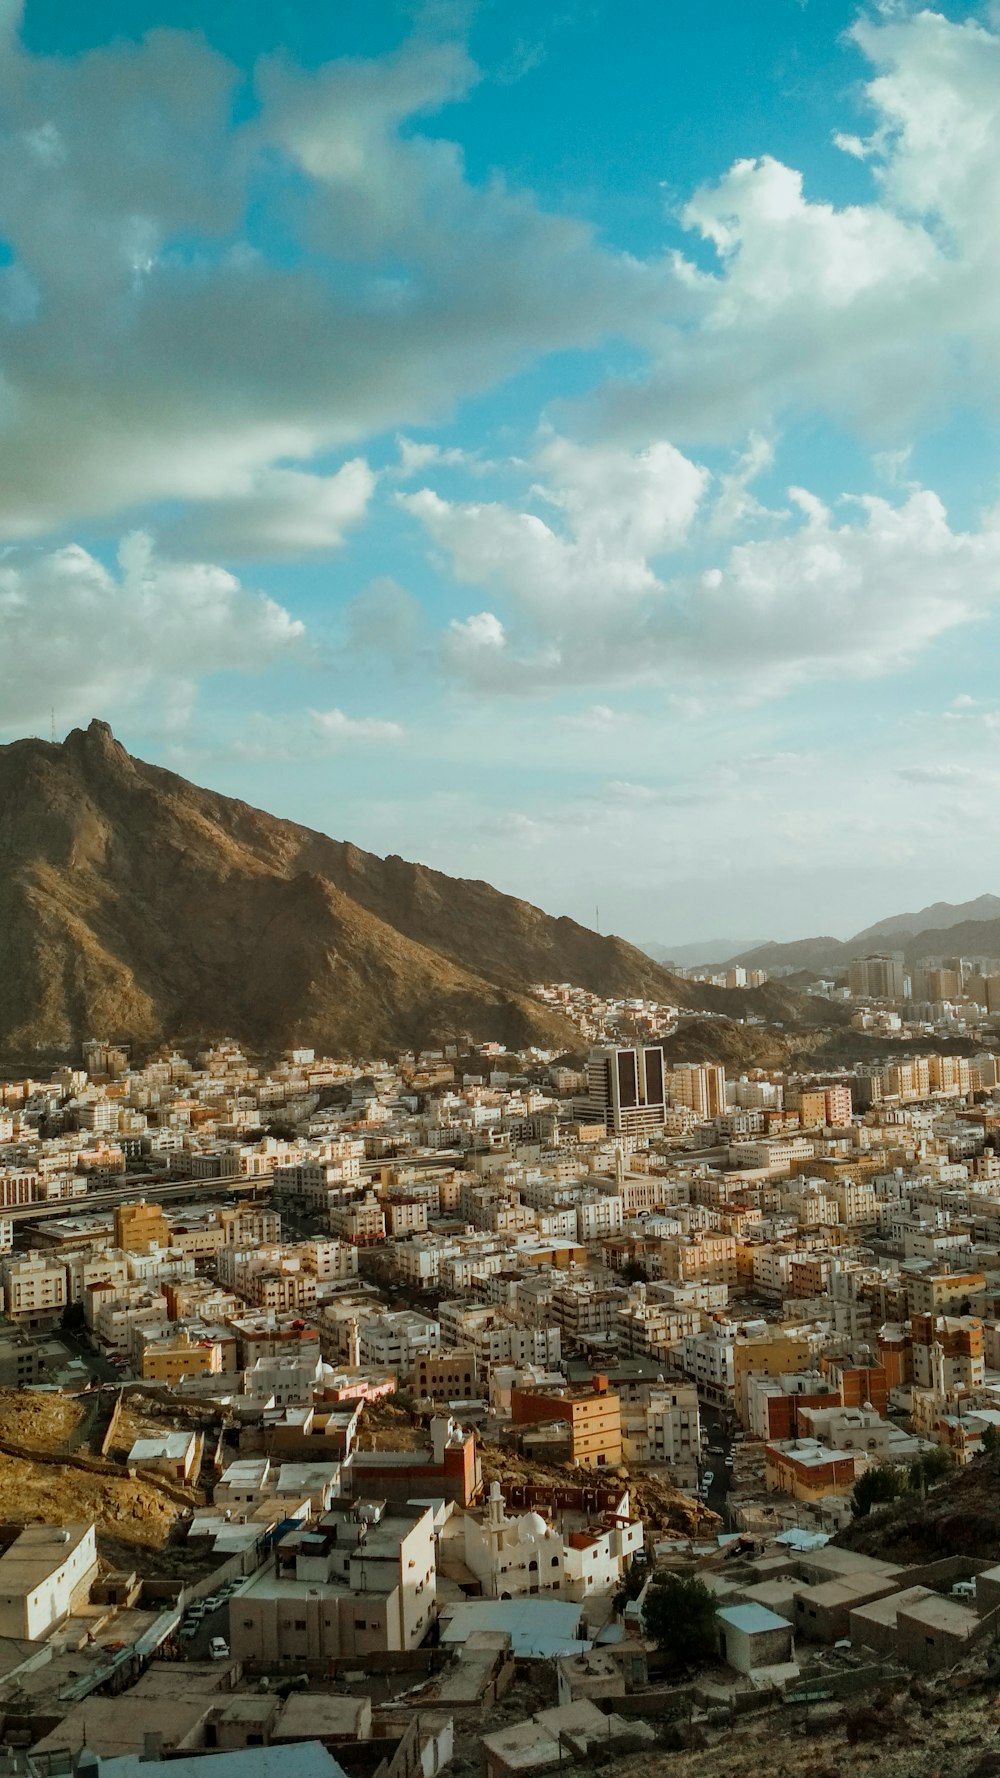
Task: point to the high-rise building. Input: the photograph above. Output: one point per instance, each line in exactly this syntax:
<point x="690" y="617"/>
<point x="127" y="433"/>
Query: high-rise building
<point x="878" y="977"/>
<point x="625" y="1089"/>
<point x="699" y="1085"/>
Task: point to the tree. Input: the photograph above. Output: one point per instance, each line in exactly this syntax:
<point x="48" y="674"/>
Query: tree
<point x="679" y="1616"/>
<point x="876" y="1488"/>
<point x="632" y="1583"/>
<point x="930" y="1467"/>
<point x="991" y="1440"/>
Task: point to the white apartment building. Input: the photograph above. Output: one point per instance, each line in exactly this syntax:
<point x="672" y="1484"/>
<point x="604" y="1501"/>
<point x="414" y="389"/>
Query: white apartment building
<point x="364" y="1584"/>
<point x="330" y="1260"/>
<point x="360" y="1223"/>
<point x="34" y="1288"/>
<point x="707" y="1357"/>
<point x="666" y="1430"/>
<point x="598" y="1216"/>
<point x="45" y="1572"/>
<point x="394" y="1341"/>
<point x="498" y="1337"/>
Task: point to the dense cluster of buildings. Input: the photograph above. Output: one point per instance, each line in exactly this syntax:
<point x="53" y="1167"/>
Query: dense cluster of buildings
<point x="755" y="1289"/>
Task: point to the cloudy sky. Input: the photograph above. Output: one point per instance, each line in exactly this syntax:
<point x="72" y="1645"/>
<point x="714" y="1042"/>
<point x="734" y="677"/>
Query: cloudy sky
<point x="554" y="441"/>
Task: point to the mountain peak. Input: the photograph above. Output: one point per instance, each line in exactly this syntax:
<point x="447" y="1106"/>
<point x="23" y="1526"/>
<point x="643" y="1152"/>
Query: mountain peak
<point x="97" y="744"/>
<point x="136" y="904"/>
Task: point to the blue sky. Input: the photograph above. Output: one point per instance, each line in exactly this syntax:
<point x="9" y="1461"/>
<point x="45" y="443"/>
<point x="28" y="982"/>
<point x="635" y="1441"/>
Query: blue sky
<point x="555" y="442"/>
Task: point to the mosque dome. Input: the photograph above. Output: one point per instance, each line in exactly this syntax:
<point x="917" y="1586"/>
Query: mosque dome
<point x="531" y="1527"/>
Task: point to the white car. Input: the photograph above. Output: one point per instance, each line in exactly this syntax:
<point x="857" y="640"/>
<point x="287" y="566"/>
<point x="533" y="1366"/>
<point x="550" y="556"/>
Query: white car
<point x="707" y="1479"/>
<point x="218" y="1649"/>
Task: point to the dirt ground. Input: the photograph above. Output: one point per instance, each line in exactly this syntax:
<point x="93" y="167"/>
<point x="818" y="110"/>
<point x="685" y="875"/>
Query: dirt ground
<point x="138" y="1525"/>
<point x="45" y="1421"/>
<point x="664" y="1510"/>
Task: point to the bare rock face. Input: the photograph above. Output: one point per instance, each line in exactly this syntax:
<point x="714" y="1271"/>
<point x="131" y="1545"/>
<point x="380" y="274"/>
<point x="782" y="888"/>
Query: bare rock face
<point x="135" y="905"/>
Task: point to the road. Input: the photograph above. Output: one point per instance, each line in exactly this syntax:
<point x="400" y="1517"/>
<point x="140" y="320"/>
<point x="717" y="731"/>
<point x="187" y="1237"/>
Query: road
<point x="715" y="1460"/>
<point x="162" y="1187"/>
<point x="214" y="1623"/>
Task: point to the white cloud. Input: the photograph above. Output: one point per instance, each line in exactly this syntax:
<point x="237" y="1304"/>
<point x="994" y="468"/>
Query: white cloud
<point x="616" y="511"/>
<point x="385" y="620"/>
<point x="874" y="311"/>
<point x="735" y="507"/>
<point x="335" y="726"/>
<point x="955" y="777"/>
<point x="417" y="455"/>
<point x="163" y="353"/>
<point x="78" y="637"/>
<point x="587" y="605"/>
<point x="313" y="732"/>
<point x="282" y="513"/>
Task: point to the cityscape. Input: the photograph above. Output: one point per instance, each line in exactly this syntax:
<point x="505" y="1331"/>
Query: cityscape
<point x="499" y="910"/>
<point x="429" y="1367"/>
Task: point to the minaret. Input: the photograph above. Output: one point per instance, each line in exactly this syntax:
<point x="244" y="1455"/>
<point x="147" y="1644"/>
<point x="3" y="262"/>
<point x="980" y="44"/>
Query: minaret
<point x="496" y="1519"/>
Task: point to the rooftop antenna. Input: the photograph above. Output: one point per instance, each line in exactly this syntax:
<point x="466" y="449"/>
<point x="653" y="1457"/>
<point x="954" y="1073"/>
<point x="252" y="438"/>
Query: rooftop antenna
<point x="597" y="919"/>
<point x="52" y="715"/>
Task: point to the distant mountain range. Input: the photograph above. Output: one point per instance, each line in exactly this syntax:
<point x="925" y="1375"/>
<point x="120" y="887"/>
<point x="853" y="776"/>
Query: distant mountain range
<point x="136" y="906"/>
<point x="971" y="927"/>
<point x="712" y="952"/>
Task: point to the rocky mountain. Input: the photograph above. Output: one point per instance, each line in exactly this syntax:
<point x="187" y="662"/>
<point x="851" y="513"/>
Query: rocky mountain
<point x="135" y="905"/>
<point x="966" y="927"/>
<point x="710" y="951"/>
<point x="941" y="916"/>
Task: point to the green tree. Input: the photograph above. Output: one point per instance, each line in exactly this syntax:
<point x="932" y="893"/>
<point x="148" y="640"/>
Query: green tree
<point x="679" y="1616"/>
<point x="634" y="1580"/>
<point x="876" y="1487"/>
<point x="930" y="1467"/>
<point x="991" y="1440"/>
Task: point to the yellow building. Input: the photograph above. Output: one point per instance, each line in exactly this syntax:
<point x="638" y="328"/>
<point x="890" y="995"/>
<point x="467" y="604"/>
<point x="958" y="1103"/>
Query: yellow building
<point x="140" y="1226"/>
<point x="773" y="1354"/>
<point x="167" y="1361"/>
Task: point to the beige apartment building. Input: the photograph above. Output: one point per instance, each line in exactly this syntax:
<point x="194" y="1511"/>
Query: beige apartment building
<point x="34" y="1289"/>
<point x="346" y="1587"/>
<point x="44" y="1572"/>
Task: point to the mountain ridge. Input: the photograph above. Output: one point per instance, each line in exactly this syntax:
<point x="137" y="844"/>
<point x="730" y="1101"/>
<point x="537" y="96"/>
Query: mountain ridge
<point x="919" y="934"/>
<point x="138" y="905"/>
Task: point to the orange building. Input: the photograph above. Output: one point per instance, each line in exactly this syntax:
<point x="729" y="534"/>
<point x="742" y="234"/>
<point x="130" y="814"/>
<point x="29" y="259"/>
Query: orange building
<point x="140" y="1226"/>
<point x="167" y="1361"/>
<point x="593" y="1416"/>
<point x="858" y="1385"/>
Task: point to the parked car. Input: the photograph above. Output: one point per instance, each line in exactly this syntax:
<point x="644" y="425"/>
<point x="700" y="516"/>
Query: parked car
<point x="188" y="1631"/>
<point x="213" y="1602"/>
<point x="218" y="1649"/>
<point x="707" y="1479"/>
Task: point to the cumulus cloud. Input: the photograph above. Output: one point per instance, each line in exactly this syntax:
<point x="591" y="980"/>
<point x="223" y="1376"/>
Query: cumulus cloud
<point x="612" y="512"/>
<point x="387" y="622"/>
<point x="154" y="347"/>
<point x="875" y="311"/>
<point x="590" y="603"/>
<point x="283" y="513"/>
<point x="79" y="637"/>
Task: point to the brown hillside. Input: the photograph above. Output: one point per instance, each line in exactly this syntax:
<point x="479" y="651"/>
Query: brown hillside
<point x="135" y="904"/>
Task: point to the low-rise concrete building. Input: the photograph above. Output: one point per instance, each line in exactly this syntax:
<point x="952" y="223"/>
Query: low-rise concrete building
<point x="44" y="1572"/>
<point x="751" y="1637"/>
